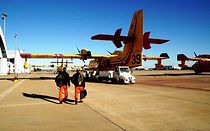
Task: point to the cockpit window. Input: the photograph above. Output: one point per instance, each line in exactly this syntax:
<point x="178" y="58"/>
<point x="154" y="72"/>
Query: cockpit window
<point x="124" y="70"/>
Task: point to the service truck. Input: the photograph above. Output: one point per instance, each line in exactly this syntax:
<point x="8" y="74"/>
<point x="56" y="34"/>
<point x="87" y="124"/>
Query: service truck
<point x="121" y="74"/>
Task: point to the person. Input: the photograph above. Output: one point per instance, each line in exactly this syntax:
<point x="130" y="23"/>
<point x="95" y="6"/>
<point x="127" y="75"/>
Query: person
<point x="62" y="81"/>
<point x="79" y="83"/>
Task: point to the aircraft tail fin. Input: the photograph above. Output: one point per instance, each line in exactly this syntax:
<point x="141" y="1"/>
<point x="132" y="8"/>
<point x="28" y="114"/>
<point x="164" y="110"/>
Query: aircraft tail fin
<point x="182" y="58"/>
<point x="134" y="43"/>
<point x="164" y="55"/>
<point x="138" y="40"/>
<point x="132" y="52"/>
<point x="159" y="64"/>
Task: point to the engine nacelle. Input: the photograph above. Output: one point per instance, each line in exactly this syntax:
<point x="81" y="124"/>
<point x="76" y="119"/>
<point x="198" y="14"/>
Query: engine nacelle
<point x="85" y="52"/>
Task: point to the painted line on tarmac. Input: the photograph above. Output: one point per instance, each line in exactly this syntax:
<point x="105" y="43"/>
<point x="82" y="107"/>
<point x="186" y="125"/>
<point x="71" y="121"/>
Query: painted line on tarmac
<point x="8" y="91"/>
<point x="105" y="117"/>
<point x="29" y="104"/>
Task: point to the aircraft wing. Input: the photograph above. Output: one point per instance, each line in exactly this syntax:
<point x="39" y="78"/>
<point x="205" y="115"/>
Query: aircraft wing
<point x="159" y="59"/>
<point x="182" y="57"/>
<point x="30" y="55"/>
<point x="162" y="56"/>
<point x="198" y="59"/>
<point x="76" y="56"/>
<point x="102" y="56"/>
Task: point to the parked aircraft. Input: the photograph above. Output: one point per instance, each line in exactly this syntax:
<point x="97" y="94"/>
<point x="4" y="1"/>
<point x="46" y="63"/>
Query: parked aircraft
<point x="202" y="64"/>
<point x="159" y="59"/>
<point x="61" y="62"/>
<point x="130" y="56"/>
<point x="132" y="53"/>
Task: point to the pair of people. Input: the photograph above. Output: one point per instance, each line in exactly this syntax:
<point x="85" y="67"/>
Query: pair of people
<point x="63" y="82"/>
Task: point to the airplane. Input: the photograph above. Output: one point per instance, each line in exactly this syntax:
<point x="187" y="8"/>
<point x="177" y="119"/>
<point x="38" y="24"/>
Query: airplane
<point x="202" y="64"/>
<point x="94" y="64"/>
<point x="132" y="53"/>
<point x="61" y="62"/>
<point x="83" y="56"/>
<point x="159" y="59"/>
<point x="130" y="56"/>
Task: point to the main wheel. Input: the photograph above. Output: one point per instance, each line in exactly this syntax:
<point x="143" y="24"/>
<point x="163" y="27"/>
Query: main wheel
<point x="121" y="81"/>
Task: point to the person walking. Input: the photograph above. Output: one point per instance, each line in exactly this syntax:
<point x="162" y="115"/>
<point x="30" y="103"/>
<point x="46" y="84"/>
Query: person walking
<point x="62" y="81"/>
<point x="79" y="83"/>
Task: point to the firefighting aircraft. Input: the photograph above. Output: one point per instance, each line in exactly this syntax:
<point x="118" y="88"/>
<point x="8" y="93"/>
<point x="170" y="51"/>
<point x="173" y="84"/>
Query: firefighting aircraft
<point x="61" y="62"/>
<point x="202" y="64"/>
<point x="159" y="59"/>
<point x="130" y="56"/>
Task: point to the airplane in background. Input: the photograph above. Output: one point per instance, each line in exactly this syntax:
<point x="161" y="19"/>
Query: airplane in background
<point x="159" y="59"/>
<point x="61" y="62"/>
<point x="52" y="66"/>
<point x="131" y="55"/>
<point x="84" y="55"/>
<point x="202" y="64"/>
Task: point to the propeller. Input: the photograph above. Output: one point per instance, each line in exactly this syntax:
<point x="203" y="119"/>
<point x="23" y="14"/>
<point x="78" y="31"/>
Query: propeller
<point x="62" y="62"/>
<point x="57" y="61"/>
<point x="195" y="54"/>
<point x="83" y="61"/>
<point x="109" y="52"/>
<point x="78" y="50"/>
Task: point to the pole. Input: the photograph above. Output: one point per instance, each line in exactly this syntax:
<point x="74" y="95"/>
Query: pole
<point x="4" y="26"/>
<point x="4" y="15"/>
<point x="15" y="36"/>
<point x="16" y="67"/>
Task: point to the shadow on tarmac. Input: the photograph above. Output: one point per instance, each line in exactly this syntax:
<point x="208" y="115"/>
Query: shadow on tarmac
<point x="175" y="74"/>
<point x="31" y="78"/>
<point x="47" y="98"/>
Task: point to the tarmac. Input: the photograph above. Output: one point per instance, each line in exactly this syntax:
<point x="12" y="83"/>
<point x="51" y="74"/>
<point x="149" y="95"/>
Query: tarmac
<point x="159" y="101"/>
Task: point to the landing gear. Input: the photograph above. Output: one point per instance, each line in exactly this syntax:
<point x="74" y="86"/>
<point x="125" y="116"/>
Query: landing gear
<point x="197" y="72"/>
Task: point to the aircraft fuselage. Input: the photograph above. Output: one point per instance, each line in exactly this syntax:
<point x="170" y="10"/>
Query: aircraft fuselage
<point x="201" y="66"/>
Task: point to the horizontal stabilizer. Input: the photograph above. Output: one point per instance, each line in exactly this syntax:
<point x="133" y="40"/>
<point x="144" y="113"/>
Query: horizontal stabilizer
<point x="148" y="41"/>
<point x="181" y="57"/>
<point x="164" y="55"/>
<point x="116" y="38"/>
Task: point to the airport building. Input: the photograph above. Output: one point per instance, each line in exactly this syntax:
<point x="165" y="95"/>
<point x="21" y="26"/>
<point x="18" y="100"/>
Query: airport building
<point x="15" y="63"/>
<point x="10" y="60"/>
<point x="3" y="54"/>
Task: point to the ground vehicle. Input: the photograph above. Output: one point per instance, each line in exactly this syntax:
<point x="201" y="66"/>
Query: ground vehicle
<point x="121" y="74"/>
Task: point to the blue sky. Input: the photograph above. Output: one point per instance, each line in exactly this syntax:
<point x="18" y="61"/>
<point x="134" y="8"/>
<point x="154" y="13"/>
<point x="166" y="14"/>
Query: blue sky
<point x="59" y="26"/>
